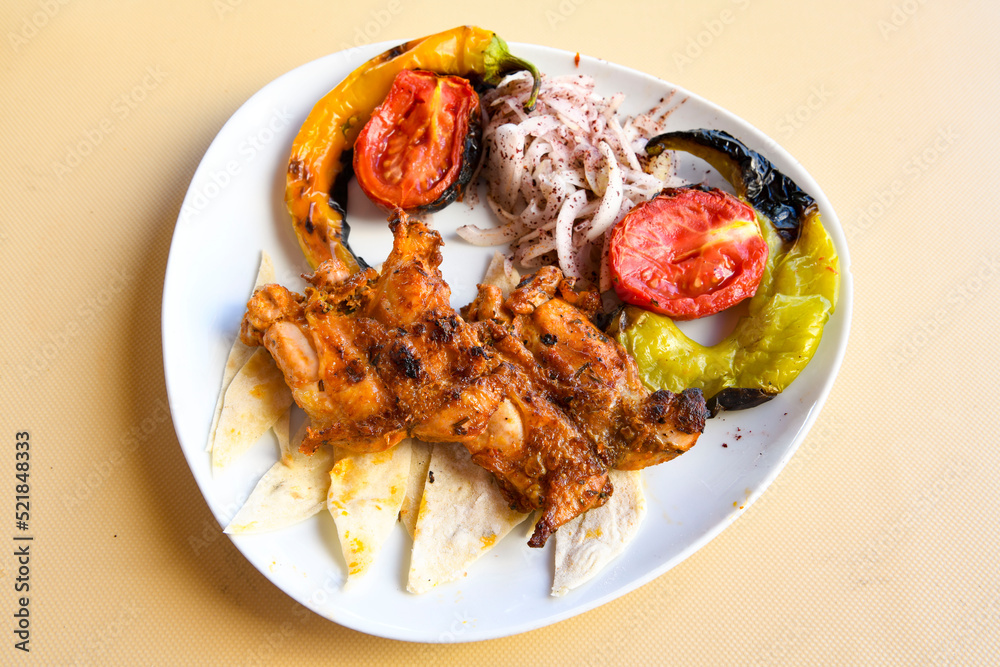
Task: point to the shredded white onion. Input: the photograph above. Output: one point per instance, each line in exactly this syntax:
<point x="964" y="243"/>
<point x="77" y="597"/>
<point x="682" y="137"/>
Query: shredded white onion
<point x="561" y="176"/>
<point x="565" y="248"/>
<point x="614" y="193"/>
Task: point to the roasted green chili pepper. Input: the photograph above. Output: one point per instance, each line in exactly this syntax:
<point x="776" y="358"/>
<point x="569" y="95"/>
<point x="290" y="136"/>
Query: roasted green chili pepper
<point x="797" y="293"/>
<point x="319" y="164"/>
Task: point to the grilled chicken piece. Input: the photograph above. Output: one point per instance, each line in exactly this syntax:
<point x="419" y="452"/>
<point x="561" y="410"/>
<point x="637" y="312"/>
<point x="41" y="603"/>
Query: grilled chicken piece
<point x="539" y="396"/>
<point x="589" y="375"/>
<point x="540" y="459"/>
<point x="450" y="379"/>
<point x="376" y="356"/>
<point x="446" y="378"/>
<point x="321" y="349"/>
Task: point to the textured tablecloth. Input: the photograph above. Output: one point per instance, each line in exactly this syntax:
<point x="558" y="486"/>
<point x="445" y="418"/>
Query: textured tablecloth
<point x="878" y="544"/>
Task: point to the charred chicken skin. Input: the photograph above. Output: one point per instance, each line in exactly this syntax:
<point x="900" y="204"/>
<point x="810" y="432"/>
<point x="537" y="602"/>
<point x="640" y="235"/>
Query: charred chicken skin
<point x="540" y="396"/>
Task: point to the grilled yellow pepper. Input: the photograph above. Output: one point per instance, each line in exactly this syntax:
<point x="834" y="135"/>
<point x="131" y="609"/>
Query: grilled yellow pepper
<point x="319" y="165"/>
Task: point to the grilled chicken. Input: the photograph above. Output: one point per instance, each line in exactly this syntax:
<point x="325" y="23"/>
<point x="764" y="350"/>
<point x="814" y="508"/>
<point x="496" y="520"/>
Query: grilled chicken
<point x="352" y="338"/>
<point x="321" y="348"/>
<point x="539" y="396"/>
<point x="587" y="374"/>
<point x="540" y="459"/>
<point x="446" y="378"/>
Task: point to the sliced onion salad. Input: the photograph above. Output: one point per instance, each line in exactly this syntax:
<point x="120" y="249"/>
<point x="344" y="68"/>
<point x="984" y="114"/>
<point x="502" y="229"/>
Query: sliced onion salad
<point x="560" y="177"/>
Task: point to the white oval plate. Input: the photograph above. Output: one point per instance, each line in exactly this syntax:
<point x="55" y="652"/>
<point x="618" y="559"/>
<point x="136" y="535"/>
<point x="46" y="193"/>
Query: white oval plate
<point x="234" y="208"/>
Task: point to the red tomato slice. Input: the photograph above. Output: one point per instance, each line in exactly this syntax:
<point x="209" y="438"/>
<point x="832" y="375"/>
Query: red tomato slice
<point x="687" y="253"/>
<point x="412" y="153"/>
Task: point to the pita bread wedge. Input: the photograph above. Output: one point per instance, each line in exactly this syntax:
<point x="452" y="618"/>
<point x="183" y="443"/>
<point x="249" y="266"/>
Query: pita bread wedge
<point x="420" y="459"/>
<point x="255" y="400"/>
<point x="462" y="515"/>
<point x="294" y="489"/>
<point x="240" y="352"/>
<point x="281" y="429"/>
<point x="366" y="492"/>
<point x="592" y="540"/>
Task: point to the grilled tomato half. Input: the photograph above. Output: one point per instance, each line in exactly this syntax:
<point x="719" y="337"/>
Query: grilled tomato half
<point x="421" y="146"/>
<point x="687" y="253"/>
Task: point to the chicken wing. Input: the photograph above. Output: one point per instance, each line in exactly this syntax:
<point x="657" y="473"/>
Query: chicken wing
<point x="321" y="348"/>
<point x="449" y="377"/>
<point x="589" y="375"/>
<point x="446" y="378"/>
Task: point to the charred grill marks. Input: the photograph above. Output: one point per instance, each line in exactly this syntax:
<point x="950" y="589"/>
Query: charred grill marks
<point x="405" y="361"/>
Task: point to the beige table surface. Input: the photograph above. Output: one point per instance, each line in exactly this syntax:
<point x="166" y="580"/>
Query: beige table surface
<point x="878" y="544"/>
